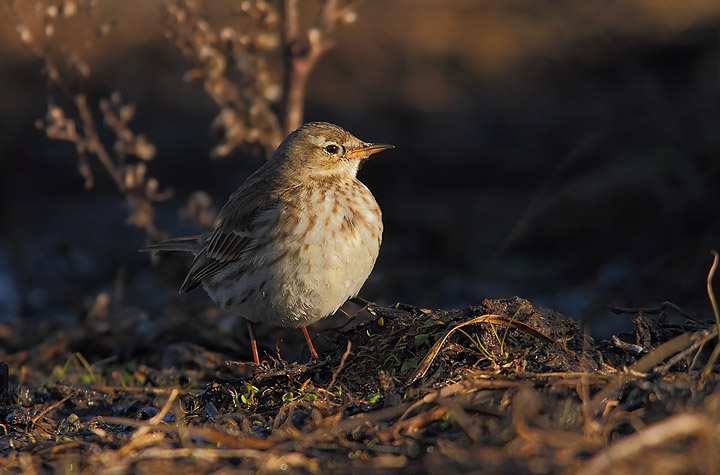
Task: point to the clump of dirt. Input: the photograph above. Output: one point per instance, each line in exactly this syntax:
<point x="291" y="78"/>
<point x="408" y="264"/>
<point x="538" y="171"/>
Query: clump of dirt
<point x="521" y="389"/>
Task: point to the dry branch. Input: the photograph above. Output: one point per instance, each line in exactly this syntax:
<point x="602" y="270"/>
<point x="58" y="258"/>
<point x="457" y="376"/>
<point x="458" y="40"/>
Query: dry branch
<point x="646" y="363"/>
<point x="255" y="67"/>
<point x="301" y="53"/>
<point x="69" y="116"/>
<point x="235" y="67"/>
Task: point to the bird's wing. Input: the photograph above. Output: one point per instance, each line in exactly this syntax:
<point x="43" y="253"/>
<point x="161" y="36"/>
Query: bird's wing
<point x="223" y="248"/>
<point x="233" y="235"/>
<point x="186" y="244"/>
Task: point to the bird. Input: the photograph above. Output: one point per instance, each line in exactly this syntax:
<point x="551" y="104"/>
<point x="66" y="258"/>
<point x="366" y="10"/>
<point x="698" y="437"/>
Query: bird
<point x="298" y="238"/>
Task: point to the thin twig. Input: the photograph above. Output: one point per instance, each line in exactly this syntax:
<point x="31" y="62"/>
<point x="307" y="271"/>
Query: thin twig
<point x="340" y="367"/>
<point x="299" y="58"/>
<point x="145" y="436"/>
<point x="157" y="418"/>
<point x="713" y="302"/>
<point x="625" y="346"/>
<point x="702" y="338"/>
<point x="44" y="412"/>
<point x="93" y="144"/>
<point x="645" y="364"/>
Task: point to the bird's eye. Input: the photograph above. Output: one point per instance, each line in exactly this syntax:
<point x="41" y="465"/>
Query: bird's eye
<point x="332" y="148"/>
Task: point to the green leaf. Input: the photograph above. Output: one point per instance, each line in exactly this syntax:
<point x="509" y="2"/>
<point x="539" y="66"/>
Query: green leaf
<point x="412" y="363"/>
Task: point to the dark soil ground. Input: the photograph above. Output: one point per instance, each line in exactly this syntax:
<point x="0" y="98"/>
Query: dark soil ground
<point x="521" y="389"/>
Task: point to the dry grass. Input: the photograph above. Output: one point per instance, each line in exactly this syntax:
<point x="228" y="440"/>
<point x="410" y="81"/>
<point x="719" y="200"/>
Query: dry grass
<point x="491" y="400"/>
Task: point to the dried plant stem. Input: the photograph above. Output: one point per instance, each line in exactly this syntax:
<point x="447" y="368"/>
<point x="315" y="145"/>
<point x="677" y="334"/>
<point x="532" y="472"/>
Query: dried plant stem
<point x="65" y="72"/>
<point x="299" y="59"/>
<point x="294" y="80"/>
<point x="713" y="302"/>
<point x="142" y="437"/>
<point x="340" y="366"/>
<point x="643" y="365"/>
<point x="93" y="145"/>
<point x="264" y="60"/>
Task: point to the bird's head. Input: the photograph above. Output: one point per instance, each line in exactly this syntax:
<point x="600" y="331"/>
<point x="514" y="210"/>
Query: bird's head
<point x="323" y="149"/>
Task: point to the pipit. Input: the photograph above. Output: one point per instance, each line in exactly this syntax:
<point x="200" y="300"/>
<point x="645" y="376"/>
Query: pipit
<point x="297" y="239"/>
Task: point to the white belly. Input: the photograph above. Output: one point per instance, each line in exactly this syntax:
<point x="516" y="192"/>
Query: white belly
<point x="307" y="265"/>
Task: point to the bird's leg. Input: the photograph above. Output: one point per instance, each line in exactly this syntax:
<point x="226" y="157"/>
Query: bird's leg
<point x="310" y="345"/>
<point x="253" y="341"/>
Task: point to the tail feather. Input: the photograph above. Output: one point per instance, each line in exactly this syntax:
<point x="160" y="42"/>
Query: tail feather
<point x="184" y="244"/>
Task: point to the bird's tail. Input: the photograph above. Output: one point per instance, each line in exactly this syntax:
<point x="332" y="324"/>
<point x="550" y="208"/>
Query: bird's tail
<point x="184" y="244"/>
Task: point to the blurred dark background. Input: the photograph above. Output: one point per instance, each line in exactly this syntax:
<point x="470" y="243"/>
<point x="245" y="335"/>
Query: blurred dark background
<point x="564" y="151"/>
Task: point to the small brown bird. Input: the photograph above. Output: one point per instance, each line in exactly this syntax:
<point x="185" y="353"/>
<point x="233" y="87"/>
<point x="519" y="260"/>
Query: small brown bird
<point x="297" y="239"/>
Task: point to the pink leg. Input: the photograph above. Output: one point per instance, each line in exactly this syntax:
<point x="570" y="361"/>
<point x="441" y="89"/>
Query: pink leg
<point x="253" y="341"/>
<point x="310" y="345"/>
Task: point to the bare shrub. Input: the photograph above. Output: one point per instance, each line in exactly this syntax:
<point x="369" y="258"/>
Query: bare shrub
<point x="69" y="117"/>
<point x="256" y="72"/>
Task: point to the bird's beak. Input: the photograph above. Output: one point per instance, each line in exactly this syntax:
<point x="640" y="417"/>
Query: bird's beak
<point x="366" y="150"/>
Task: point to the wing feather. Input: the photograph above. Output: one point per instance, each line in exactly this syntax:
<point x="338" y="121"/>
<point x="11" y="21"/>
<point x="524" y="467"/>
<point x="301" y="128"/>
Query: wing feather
<point x="235" y="232"/>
